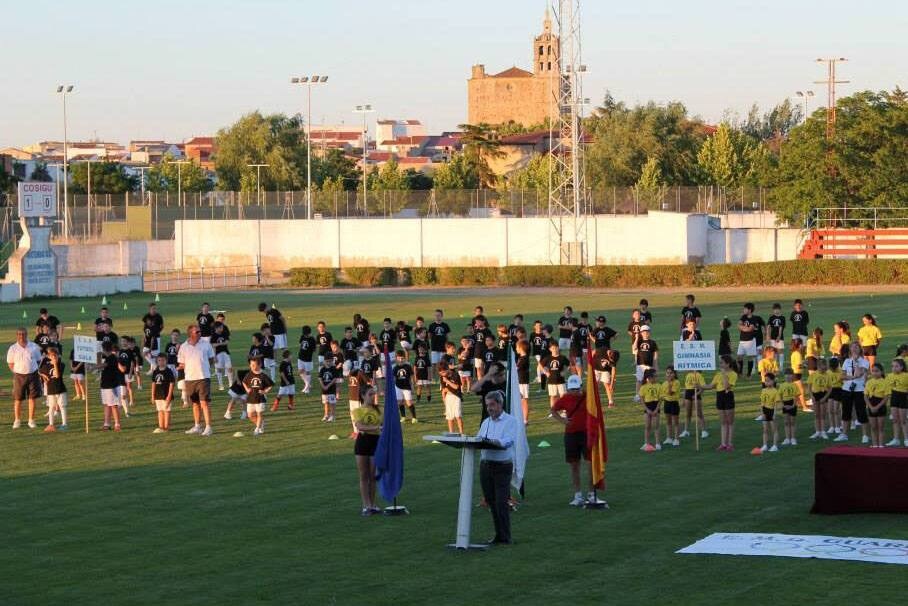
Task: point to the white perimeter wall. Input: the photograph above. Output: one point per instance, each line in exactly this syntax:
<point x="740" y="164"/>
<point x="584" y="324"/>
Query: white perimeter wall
<point x="118" y="258"/>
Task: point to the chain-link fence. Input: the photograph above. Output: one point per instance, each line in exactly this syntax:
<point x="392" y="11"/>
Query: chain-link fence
<point x="88" y="214"/>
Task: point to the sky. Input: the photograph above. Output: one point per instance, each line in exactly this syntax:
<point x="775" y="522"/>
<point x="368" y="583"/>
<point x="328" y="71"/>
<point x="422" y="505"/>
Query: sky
<point x="174" y="69"/>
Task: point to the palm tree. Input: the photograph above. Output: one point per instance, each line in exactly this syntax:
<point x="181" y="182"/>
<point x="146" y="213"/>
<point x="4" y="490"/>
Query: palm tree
<point x="481" y="143"/>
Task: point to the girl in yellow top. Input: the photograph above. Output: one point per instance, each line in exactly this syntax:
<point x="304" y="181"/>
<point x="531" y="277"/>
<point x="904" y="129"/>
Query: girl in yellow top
<point x="769" y="397"/>
<point x="834" y="399"/>
<point x="693" y="390"/>
<point x="876" y="395"/>
<point x="814" y="350"/>
<point x="788" y="391"/>
<point x="769" y="364"/>
<point x="898" y="382"/>
<point x="649" y="395"/>
<point x="841" y="340"/>
<point x="670" y="394"/>
<point x="367" y="421"/>
<point x="870" y="337"/>
<point x="724" y="383"/>
<point x="797" y="362"/>
<point x="819" y="392"/>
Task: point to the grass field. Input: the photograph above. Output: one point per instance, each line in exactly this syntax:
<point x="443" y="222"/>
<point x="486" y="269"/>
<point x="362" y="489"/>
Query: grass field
<point x="136" y="518"/>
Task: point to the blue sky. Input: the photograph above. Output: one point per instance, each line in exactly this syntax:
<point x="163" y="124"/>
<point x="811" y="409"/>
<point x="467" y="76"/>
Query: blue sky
<point x="173" y="69"/>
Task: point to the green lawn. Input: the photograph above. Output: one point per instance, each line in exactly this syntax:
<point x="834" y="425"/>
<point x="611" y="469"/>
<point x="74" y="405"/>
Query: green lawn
<point x="141" y="518"/>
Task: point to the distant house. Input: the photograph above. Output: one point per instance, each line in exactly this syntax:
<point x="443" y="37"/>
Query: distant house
<point x="200" y="150"/>
<point x="343" y="137"/>
<point x="152" y="152"/>
<point x="392" y="130"/>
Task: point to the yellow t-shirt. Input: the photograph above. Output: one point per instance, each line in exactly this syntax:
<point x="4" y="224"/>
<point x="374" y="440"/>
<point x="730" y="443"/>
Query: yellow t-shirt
<point x="787" y="391"/>
<point x="768" y="365"/>
<point x="367" y="415"/>
<point x="818" y="382"/>
<point x="693" y="380"/>
<point x="732" y="380"/>
<point x="769" y="397"/>
<point x="898" y="382"/>
<point x="797" y="361"/>
<point x="670" y="391"/>
<point x="814" y="350"/>
<point x="834" y="378"/>
<point x="649" y="392"/>
<point x="876" y="388"/>
<point x="869" y="335"/>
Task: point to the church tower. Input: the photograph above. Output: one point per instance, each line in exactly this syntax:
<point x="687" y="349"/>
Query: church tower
<point x="546" y="49"/>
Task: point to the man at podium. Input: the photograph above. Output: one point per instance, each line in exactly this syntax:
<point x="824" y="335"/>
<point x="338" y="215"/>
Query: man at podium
<point x="496" y="466"/>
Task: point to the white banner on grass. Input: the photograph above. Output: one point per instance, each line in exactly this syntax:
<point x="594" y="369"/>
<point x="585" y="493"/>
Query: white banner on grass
<point x="881" y="551"/>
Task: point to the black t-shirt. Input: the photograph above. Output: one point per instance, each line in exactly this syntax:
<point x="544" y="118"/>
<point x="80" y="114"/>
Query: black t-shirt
<point x="43" y="341"/>
<point x="110" y="337"/>
<point x="206" y="324"/>
<point x="335" y="359"/>
<point x="452" y="383"/>
<point x="255" y="351"/>
<point x="367" y="367"/>
<point x="555" y="367"/>
<point x="52" y="377"/>
<point x="99" y="334"/>
<point x="421" y="365"/>
<point x="489" y="356"/>
<point x="328" y="374"/>
<point x="724" y="343"/>
<point x="465" y="358"/>
<point x="267" y="348"/>
<point x="152" y="325"/>
<point x="403" y="373"/>
<point x="687" y="336"/>
<point x="580" y="338"/>
<point x="438" y="335"/>
<point x="51" y="321"/>
<point x="219" y="342"/>
<point x="799" y="322"/>
<point x="307" y="348"/>
<point x="161" y="380"/>
<point x="125" y="358"/>
<point x="566" y="327"/>
<point x="403" y="333"/>
<point x="362" y="330"/>
<point x="759" y="327"/>
<point x="523" y="369"/>
<point x="285" y="370"/>
<point x="256" y="383"/>
<point x="172" y="350"/>
<point x="633" y="327"/>
<point x="323" y="340"/>
<point x="349" y="348"/>
<point x="386" y="340"/>
<point x="539" y="344"/>
<point x="603" y="337"/>
<point x="276" y="322"/>
<point x="776" y="327"/>
<point x="688" y="314"/>
<point x="111" y="376"/>
<point x="646" y="316"/>
<point x="646" y="352"/>
<point x="77" y="368"/>
<point x="749" y="328"/>
<point x="606" y="360"/>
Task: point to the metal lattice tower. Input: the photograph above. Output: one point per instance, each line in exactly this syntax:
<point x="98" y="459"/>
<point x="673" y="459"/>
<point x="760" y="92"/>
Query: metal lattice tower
<point x="567" y="185"/>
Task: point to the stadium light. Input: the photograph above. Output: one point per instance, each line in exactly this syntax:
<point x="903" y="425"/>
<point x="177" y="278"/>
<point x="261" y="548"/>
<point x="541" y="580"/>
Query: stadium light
<point x="65" y="89"/>
<point x="309" y="82"/>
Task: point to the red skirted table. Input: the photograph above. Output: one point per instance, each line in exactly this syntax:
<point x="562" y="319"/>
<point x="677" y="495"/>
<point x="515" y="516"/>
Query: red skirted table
<point x="850" y="479"/>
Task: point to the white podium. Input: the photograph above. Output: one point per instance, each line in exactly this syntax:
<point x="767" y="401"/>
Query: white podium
<point x="468" y="446"/>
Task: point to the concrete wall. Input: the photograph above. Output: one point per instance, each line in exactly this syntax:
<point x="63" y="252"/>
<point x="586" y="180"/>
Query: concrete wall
<point x="98" y="285"/>
<point x="104" y="259"/>
<point x="752" y="245"/>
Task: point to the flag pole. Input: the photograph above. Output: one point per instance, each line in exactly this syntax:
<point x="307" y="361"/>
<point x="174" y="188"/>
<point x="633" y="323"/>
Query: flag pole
<point x="697" y="416"/>
<point x="596" y="502"/>
<point x="394" y="509"/>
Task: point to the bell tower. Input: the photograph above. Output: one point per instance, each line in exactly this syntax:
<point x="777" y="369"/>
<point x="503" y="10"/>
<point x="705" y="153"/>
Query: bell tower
<point x="546" y="49"/>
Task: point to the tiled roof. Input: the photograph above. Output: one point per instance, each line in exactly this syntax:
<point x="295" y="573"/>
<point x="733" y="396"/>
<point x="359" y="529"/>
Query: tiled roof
<point x="514" y="72"/>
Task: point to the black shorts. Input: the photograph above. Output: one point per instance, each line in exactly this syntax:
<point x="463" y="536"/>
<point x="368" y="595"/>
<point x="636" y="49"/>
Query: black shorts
<point x="789" y="408"/>
<point x="819" y="396"/>
<point x="725" y="400"/>
<point x="899" y="399"/>
<point x="769" y="414"/>
<point x="853" y="402"/>
<point x="652" y="406"/>
<point x="672" y="408"/>
<point x="365" y="444"/>
<point x="198" y="391"/>
<point x="811" y="363"/>
<point x="689" y="394"/>
<point x="879" y="412"/>
<point x="26" y="386"/>
<point x="796" y="376"/>
<point x="575" y="446"/>
<point x="869" y="350"/>
<point x="836" y="394"/>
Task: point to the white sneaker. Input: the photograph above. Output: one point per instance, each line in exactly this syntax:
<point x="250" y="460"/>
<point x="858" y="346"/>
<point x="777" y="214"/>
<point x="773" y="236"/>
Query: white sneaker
<point x="331" y="419"/>
<point x="667" y="441"/>
<point x="824" y="435"/>
<point x="786" y="442"/>
<point x="774" y="448"/>
<point x="207" y="432"/>
<point x="794" y="442"/>
<point x="194" y="429"/>
<point x="32" y="424"/>
<point x="158" y="430"/>
<point x="704" y="434"/>
<point x="676" y="442"/>
<point x="764" y="448"/>
<point x="893" y="442"/>
<point x="644" y="446"/>
<point x="865" y="439"/>
<point x="637" y="398"/>
<point x="684" y="434"/>
<point x="577" y="501"/>
<point x="842" y="437"/>
<point x="856" y="423"/>
<point x="815" y="435"/>
<point x="257" y="431"/>
<point x="658" y="446"/>
<point x="228" y="416"/>
<point x="17" y="424"/>
<point x="759" y="418"/>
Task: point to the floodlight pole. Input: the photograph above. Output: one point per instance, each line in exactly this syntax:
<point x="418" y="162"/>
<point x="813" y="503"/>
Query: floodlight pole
<point x="309" y="81"/>
<point x="364" y="109"/>
<point x="258" y="175"/>
<point x="63" y="89"/>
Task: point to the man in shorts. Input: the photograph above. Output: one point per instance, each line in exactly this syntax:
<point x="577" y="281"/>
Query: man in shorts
<point x="23" y="358"/>
<point x="570" y="410"/>
<point x="194" y="359"/>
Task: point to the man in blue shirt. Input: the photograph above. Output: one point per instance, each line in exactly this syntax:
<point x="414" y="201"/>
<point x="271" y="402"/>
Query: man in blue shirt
<point x="496" y="465"/>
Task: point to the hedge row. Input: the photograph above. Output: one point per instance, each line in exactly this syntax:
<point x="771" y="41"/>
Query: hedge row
<point x="800" y="272"/>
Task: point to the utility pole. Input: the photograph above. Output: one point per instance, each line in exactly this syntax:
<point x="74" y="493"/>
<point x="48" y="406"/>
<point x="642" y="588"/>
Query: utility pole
<point x="364" y="109"/>
<point x="830" y="83"/>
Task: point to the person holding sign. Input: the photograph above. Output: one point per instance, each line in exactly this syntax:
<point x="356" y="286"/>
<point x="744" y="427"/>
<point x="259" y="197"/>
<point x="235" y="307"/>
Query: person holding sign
<point x="724" y="383"/>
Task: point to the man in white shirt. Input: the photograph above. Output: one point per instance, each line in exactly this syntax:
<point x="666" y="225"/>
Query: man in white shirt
<point x="194" y="359"/>
<point x="23" y="357"/>
<point x="496" y="466"/>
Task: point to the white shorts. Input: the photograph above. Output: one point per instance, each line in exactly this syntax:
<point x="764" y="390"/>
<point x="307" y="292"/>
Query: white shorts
<point x="638" y="373"/>
<point x="206" y="339"/>
<point x="465" y="374"/>
<point x="403" y="394"/>
<point x="257" y="408"/>
<point x="268" y="362"/>
<point x="236" y="396"/>
<point x="747" y="348"/>
<point x="405" y="345"/>
<point x="56" y="400"/>
<point x="435" y="356"/>
<point x="162" y="405"/>
<point x="604" y="376"/>
<point x="286" y="390"/>
<point x="778" y="345"/>
<point x="524" y="390"/>
<point x="329" y="398"/>
<point x="477" y="363"/>
<point x="354" y="404"/>
<point x="303" y="366"/>
<point x="556" y="390"/>
<point x="564" y="344"/>
<point x="222" y="361"/>
<point x="110" y="397"/>
<point x="423" y="382"/>
<point x="77" y="376"/>
<point x="348" y="368"/>
<point x="801" y="338"/>
<point x="280" y="341"/>
<point x="453" y="407"/>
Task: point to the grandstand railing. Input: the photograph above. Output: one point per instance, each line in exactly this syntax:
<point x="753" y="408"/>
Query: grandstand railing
<point x="211" y="278"/>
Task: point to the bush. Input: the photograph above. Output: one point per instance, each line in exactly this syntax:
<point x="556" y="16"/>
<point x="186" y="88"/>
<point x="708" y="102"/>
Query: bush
<point x="543" y="275"/>
<point x="468" y="276"/>
<point x="313" y="276"/>
<point x="370" y="276"/>
<point x="423" y="276"/>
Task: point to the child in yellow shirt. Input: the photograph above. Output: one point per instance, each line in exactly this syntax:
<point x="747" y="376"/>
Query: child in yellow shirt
<point x="876" y="395"/>
<point x="818" y="383"/>
<point x="649" y="396"/>
<point x="788" y="391"/>
<point x="898" y="383"/>
<point x="693" y="393"/>
<point x="769" y="397"/>
<point x="670" y="394"/>
<point x="724" y="382"/>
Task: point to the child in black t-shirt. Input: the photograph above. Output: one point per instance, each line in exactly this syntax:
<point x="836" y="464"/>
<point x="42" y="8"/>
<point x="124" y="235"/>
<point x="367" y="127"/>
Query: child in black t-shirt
<point x="328" y="377"/>
<point x="237" y="395"/>
<point x="256" y="383"/>
<point x="287" y="382"/>
<point x="51" y="373"/>
<point x="422" y="365"/>
<point x="77" y="374"/>
<point x="162" y="384"/>
<point x="724" y="337"/>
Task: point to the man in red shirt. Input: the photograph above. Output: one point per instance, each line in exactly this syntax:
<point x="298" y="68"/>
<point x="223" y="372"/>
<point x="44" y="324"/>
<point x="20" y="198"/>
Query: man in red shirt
<point x="573" y="405"/>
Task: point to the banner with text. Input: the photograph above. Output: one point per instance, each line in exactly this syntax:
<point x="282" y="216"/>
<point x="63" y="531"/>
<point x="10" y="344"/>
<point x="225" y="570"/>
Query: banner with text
<point x="881" y="551"/>
<point x="694" y="355"/>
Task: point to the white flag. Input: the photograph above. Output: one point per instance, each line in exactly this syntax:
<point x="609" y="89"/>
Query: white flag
<point x="521" y="446"/>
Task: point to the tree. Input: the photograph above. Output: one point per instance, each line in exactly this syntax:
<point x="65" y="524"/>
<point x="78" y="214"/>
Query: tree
<point x="106" y="178"/>
<point x="776" y="123"/>
<point x="40" y="173"/>
<point x="275" y="140"/>
<point x="7" y="181"/>
<point x="171" y="177"/>
<point x="534" y="176"/>
<point x="724" y="157"/>
<point x="649" y="186"/>
<point x="456" y="174"/>
<point x="334" y="165"/>
<point x="388" y="178"/>
<point x="481" y="144"/>
<point x="417" y="180"/>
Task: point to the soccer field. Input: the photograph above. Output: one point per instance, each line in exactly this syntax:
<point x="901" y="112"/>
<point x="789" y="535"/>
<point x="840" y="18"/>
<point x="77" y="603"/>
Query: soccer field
<point x="176" y="519"/>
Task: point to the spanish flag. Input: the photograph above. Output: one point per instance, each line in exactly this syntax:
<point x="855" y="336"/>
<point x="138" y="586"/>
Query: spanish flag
<point x="596" y="443"/>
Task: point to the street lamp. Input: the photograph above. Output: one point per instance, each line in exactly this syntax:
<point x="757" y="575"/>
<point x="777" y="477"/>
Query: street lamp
<point x="364" y="109"/>
<point x="142" y="170"/>
<point x="179" y="164"/>
<point x="65" y="89"/>
<point x="805" y="96"/>
<point x="258" y="174"/>
<point x="308" y="81"/>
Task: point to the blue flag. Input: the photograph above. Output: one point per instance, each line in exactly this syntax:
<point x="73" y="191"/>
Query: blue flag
<point x="389" y="454"/>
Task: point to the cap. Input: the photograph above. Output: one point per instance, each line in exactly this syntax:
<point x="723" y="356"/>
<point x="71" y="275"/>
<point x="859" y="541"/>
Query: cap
<point x="644" y="328"/>
<point x="600" y="319"/>
<point x="574" y="382"/>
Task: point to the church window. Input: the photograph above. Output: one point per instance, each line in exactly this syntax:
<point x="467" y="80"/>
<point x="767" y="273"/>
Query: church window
<point x="540" y="51"/>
